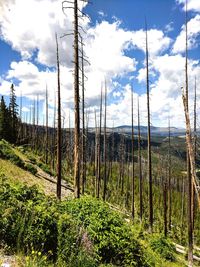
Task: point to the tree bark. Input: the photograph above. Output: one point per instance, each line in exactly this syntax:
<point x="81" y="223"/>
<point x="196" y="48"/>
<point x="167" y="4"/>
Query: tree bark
<point x="76" y="106"/>
<point x="59" y="155"/>
<point x="149" y="140"/>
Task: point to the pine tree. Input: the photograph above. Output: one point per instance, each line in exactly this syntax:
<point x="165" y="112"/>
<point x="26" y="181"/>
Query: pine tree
<point x="4" y="121"/>
<point x="13" y="110"/>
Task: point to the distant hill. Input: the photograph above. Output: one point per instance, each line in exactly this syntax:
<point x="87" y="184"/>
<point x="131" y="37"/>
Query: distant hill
<point x="163" y="131"/>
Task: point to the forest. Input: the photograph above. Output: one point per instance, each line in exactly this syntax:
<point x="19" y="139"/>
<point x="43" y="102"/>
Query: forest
<point x="97" y="196"/>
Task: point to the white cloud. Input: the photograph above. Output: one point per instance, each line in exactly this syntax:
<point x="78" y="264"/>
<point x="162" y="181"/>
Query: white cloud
<point x="157" y="41"/>
<point x="193" y="32"/>
<point x="30" y="26"/>
<point x="169" y="27"/>
<point x="193" y="5"/>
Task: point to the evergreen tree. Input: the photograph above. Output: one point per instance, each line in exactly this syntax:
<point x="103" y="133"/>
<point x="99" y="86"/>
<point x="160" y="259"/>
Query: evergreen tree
<point x="13" y="109"/>
<point x="4" y="120"/>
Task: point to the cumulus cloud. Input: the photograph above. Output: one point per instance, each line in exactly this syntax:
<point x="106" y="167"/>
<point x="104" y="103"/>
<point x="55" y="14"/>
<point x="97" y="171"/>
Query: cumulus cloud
<point x="193" y="32"/>
<point x="157" y="41"/>
<point x="193" y="5"/>
<point x="29" y="26"/>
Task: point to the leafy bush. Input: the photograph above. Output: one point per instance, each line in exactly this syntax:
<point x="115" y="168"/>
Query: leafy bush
<point x="73" y="245"/>
<point x="29" y="219"/>
<point x="112" y="238"/>
<point x="81" y="232"/>
<point x="164" y="247"/>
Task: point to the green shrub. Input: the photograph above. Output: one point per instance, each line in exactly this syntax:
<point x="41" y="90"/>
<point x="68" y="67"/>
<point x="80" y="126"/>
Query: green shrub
<point x="112" y="238"/>
<point x="164" y="247"/>
<point x="29" y="219"/>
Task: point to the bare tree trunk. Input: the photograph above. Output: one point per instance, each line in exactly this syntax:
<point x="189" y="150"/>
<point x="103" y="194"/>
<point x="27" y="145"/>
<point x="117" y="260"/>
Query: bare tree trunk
<point x="96" y="151"/>
<point x="83" y="124"/>
<point x="169" y="179"/>
<point x="76" y="106"/>
<point x="47" y="130"/>
<point x="140" y="165"/>
<point x="59" y="166"/>
<point x="105" y="148"/>
<point x="133" y="166"/>
<point x="99" y="149"/>
<point x="190" y="200"/>
<point x="195" y="149"/>
<point x="54" y="134"/>
<point x="37" y="122"/>
<point x="165" y="205"/>
<point x="149" y="140"/>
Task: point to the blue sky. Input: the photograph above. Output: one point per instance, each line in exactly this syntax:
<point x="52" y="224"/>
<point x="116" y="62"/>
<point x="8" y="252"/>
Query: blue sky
<point x="115" y="45"/>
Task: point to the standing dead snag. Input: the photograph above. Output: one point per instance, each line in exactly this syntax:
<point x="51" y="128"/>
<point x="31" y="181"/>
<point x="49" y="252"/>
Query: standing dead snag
<point x="76" y="34"/>
<point x="59" y="167"/>
<point x="47" y="130"/>
<point x="132" y="152"/>
<point x="195" y="147"/>
<point x="169" y="180"/>
<point x="105" y="147"/>
<point x="140" y="165"/>
<point x="165" y="204"/>
<point x="189" y="161"/>
<point x="149" y="139"/>
<point x="99" y="149"/>
<point x="76" y="105"/>
<point x="83" y="123"/>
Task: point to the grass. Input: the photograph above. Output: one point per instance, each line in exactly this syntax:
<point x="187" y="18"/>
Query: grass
<point x="16" y="174"/>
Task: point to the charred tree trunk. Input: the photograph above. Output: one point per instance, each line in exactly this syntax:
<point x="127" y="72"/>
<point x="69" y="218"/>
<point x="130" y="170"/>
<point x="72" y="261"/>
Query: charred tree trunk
<point x="190" y="199"/>
<point x="169" y="180"/>
<point x="133" y="166"/>
<point x="59" y="155"/>
<point x="47" y="130"/>
<point x="76" y="106"/>
<point x="195" y="148"/>
<point x="105" y="147"/>
<point x="149" y="140"/>
<point x="140" y="165"/>
<point x="165" y="205"/>
<point x="83" y="124"/>
<point x="99" y="150"/>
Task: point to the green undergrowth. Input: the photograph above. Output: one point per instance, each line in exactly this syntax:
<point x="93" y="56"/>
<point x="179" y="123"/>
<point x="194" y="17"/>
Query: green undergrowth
<point x="7" y="152"/>
<point x="75" y="232"/>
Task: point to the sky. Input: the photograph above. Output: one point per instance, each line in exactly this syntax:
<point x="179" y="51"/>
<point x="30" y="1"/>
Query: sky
<point x="114" y="38"/>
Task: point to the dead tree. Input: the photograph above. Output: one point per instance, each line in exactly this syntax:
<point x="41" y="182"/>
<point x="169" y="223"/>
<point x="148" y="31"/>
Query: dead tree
<point x="76" y="34"/>
<point x="195" y="147"/>
<point x="169" y="180"/>
<point x="149" y="139"/>
<point x="99" y="149"/>
<point x="105" y="147"/>
<point x="189" y="178"/>
<point x="96" y="150"/>
<point x="47" y="130"/>
<point x="165" y="206"/>
<point x="59" y="154"/>
<point x="83" y="122"/>
<point x="133" y="166"/>
<point x="140" y="165"/>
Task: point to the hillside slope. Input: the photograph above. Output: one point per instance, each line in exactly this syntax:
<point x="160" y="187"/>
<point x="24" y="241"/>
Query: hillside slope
<point x="84" y="210"/>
